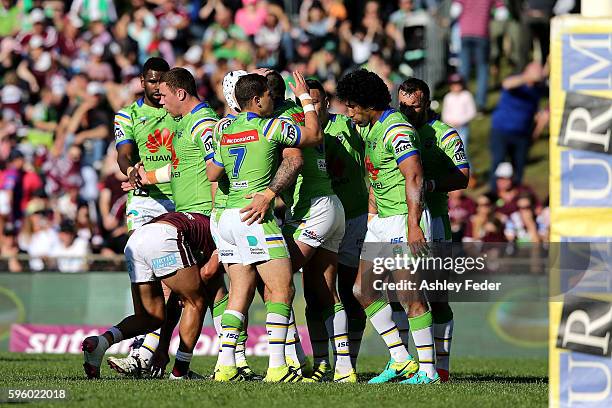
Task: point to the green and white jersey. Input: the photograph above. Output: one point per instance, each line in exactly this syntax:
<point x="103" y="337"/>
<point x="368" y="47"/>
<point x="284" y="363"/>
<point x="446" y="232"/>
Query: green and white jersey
<point x="193" y="145"/>
<point x="249" y="151"/>
<point x="223" y="184"/>
<point x="313" y="181"/>
<point x="152" y="130"/>
<point x="441" y="152"/>
<point x="345" y="152"/>
<point x="388" y="142"/>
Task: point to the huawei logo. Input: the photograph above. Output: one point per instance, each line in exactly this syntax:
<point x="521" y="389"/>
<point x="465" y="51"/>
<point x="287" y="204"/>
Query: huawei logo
<point x="162" y="138"/>
<point x="371" y="169"/>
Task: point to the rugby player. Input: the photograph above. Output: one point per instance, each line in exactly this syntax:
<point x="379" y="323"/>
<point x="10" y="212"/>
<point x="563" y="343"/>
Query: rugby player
<point x="143" y="132"/>
<point x="192" y="191"/>
<point x="396" y="182"/>
<point x="248" y="154"/>
<point x="344" y="154"/>
<point x="171" y="258"/>
<point x="446" y="169"/>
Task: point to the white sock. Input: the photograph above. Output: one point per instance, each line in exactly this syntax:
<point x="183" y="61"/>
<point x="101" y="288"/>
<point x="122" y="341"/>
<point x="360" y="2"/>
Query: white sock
<point x="380" y="315"/>
<point x="240" y="355"/>
<point x="422" y="334"/>
<point x="276" y="326"/>
<point x="146" y="351"/>
<point x="337" y="329"/>
<point x="401" y="321"/>
<point x="443" y="336"/>
<point x="293" y="345"/>
<point x="217" y="324"/>
<point x="231" y="324"/>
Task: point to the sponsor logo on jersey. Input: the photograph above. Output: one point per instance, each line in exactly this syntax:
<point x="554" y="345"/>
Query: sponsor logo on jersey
<point x="401" y="143"/>
<point x="298" y="117"/>
<point x="289" y="132"/>
<point x="240" y="185"/>
<point x="371" y="169"/>
<point x="226" y="252"/>
<point x="247" y="136"/>
<point x="257" y="251"/>
<point x="159" y="139"/>
<point x="118" y="132"/>
<point x="322" y="164"/>
<point x="252" y="240"/>
<point x="164" y="261"/>
<point x="207" y="140"/>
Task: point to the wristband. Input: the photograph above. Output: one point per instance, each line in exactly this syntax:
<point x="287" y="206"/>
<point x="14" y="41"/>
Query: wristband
<point x="309" y="108"/>
<point x="162" y="174"/>
<point x="304" y="96"/>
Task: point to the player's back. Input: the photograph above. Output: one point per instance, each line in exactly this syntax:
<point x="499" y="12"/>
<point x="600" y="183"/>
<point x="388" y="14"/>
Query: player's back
<point x="249" y="151"/>
<point x="193" y="145"/>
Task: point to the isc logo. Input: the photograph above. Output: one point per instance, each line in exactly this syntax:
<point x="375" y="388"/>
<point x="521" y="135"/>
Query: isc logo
<point x="397" y="240"/>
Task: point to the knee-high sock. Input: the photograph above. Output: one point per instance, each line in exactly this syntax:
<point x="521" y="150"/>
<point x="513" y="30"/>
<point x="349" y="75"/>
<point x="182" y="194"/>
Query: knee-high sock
<point x="277" y="322"/>
<point x="217" y="312"/>
<point x="231" y="323"/>
<point x="293" y="345"/>
<point x="443" y="335"/>
<point x="422" y="334"/>
<point x="401" y="321"/>
<point x="337" y="330"/>
<point x="356" y="326"/>
<point x="379" y="314"/>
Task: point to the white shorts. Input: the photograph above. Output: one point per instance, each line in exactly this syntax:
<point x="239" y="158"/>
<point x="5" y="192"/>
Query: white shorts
<point x="323" y="226"/>
<point x="155" y="251"/>
<point x="391" y="235"/>
<point x="140" y="210"/>
<point x="248" y="244"/>
<point x="351" y="244"/>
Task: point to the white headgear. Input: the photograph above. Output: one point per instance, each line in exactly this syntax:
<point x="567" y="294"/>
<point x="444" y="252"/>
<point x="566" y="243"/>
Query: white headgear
<point x="229" y="87"/>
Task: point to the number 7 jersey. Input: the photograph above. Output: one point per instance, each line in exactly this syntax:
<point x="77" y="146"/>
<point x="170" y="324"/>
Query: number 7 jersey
<point x="249" y="151"/>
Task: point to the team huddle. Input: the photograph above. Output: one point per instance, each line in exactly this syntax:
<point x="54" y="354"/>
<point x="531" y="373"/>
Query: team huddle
<point x="202" y="198"/>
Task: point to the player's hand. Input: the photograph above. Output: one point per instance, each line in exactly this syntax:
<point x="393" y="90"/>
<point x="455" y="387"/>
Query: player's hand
<point x="416" y="241"/>
<point x="159" y="361"/>
<point x="262" y="71"/>
<point x="300" y="86"/>
<point x="210" y="268"/>
<point x="256" y="211"/>
<point x="127" y="186"/>
<point x="135" y="176"/>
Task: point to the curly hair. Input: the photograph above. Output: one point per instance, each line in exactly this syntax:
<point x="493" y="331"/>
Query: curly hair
<point x="365" y="89"/>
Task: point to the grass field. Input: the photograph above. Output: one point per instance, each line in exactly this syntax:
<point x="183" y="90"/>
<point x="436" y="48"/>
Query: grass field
<point x="479" y="382"/>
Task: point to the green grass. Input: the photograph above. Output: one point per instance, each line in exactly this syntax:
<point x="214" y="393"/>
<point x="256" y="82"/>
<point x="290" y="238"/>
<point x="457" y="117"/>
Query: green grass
<point x="475" y="382"/>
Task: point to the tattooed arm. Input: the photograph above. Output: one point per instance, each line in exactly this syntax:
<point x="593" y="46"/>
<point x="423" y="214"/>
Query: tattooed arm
<point x="412" y="171"/>
<point x="286" y="174"/>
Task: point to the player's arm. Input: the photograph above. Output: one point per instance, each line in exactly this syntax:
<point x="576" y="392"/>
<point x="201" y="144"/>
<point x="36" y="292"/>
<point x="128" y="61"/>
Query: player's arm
<point x="215" y="169"/>
<point x="127" y="154"/>
<point x="310" y="134"/>
<point x="285" y="176"/>
<point x="458" y="174"/>
<point x="408" y="160"/>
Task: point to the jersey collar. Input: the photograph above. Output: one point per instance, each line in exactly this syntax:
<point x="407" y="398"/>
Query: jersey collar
<point x="140" y="102"/>
<point x="251" y="115"/>
<point x="230" y="116"/>
<point x="386" y="114"/>
<point x="199" y="106"/>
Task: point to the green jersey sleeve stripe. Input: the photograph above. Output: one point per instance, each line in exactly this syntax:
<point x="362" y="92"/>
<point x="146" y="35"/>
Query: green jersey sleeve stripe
<point x="392" y="131"/>
<point x="450" y="135"/>
<point x="463" y="166"/>
<point x="122" y="114"/>
<point x="201" y="125"/>
<point x="405" y="156"/>
<point x="271" y="128"/>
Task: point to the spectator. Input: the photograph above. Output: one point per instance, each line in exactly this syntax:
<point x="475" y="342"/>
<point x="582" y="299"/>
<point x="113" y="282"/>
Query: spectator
<point x="97" y="69"/>
<point x="40" y="28"/>
<point x="361" y="42"/>
<point x="317" y="25"/>
<point x="112" y="209"/>
<point x="37" y="236"/>
<point x="460" y="209"/>
<point x="251" y="16"/>
<point x="522" y="225"/>
<point x="474" y="17"/>
<point x="536" y="15"/>
<point x="172" y="24"/>
<point x="485" y="225"/>
<point x="18" y="185"/>
<point x="223" y="38"/>
<point x="458" y="108"/>
<point x="512" y="123"/>
<point x="10" y="247"/>
<point x="94" y="10"/>
<point x="508" y="191"/>
<point x="10" y="18"/>
<point x="70" y="251"/>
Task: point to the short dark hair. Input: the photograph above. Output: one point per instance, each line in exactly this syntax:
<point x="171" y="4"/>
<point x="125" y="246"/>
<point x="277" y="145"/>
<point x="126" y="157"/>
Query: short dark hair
<point x="364" y="88"/>
<point x="155" y="64"/>
<point x="248" y="87"/>
<point x="276" y="84"/>
<point x="312" y="84"/>
<point x="412" y="85"/>
<point x="180" y="78"/>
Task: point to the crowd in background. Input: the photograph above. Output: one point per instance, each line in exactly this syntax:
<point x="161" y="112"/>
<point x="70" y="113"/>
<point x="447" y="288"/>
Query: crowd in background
<point x="66" y="66"/>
